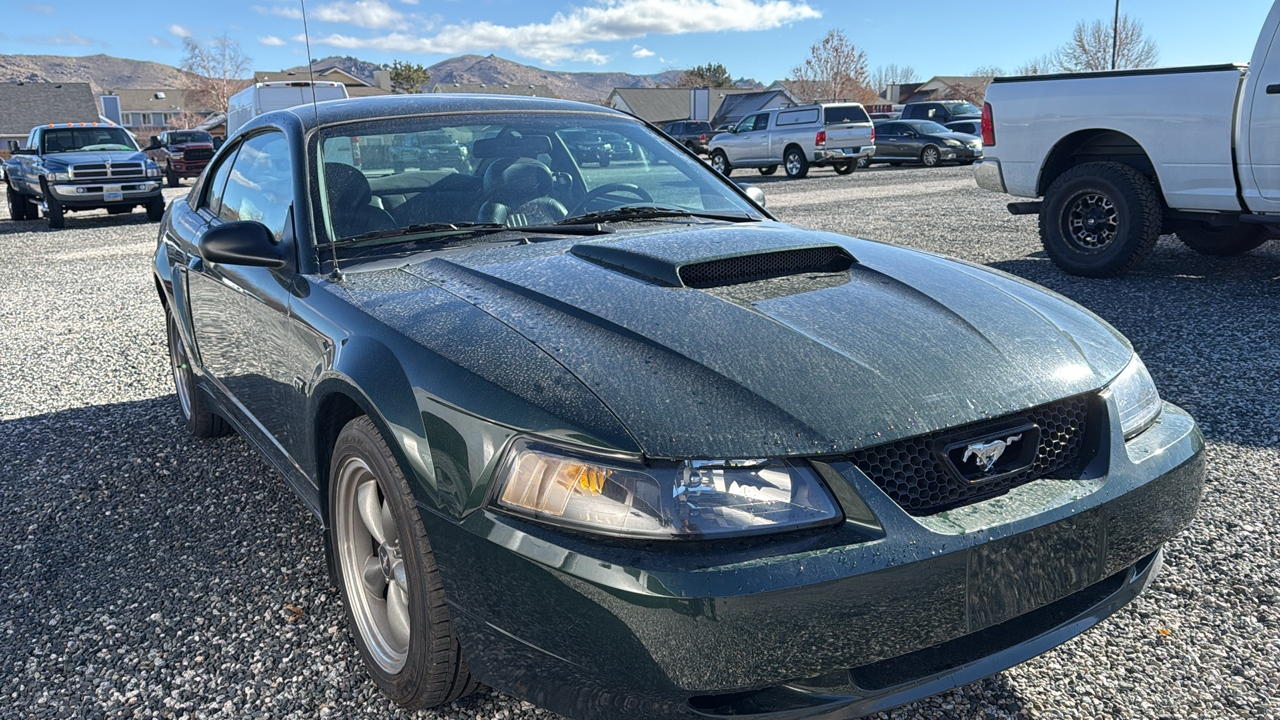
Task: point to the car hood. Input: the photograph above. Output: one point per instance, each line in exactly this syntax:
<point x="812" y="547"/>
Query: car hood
<point x="900" y="344"/>
<point x="96" y="156"/>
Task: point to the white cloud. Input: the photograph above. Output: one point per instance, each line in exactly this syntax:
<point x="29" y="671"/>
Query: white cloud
<point x="639" y="52"/>
<point x="561" y="38"/>
<point x="271" y="40"/>
<point x="179" y="31"/>
<point x="362" y="13"/>
<point x="292" y="13"/>
<point x="409" y="2"/>
<point x="42" y="9"/>
<point x="160" y="42"/>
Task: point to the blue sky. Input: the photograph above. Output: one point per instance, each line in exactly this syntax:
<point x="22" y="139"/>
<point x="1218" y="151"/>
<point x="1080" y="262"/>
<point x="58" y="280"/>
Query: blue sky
<point x="753" y="38"/>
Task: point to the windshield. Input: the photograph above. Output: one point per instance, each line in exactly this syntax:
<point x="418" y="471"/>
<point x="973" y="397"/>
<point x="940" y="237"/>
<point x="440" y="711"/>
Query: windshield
<point x="406" y="177"/>
<point x="962" y="107"/>
<point x="182" y="138"/>
<point x="85" y="139"/>
<point x="929" y="128"/>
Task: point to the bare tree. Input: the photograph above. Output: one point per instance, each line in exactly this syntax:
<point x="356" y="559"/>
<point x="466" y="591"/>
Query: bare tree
<point x="987" y="71"/>
<point x="1091" y="45"/>
<point x="1042" y="65"/>
<point x="974" y="91"/>
<point x="219" y="69"/>
<point x="834" y="70"/>
<point x="186" y="120"/>
<point x="886" y="75"/>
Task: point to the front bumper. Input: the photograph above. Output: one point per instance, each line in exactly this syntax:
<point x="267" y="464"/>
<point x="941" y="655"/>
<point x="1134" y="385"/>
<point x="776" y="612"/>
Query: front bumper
<point x="836" y="155"/>
<point x="188" y="169"/>
<point x="87" y="196"/>
<point x="879" y="611"/>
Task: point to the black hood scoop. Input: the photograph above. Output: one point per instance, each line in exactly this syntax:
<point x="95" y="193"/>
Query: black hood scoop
<point x="716" y="264"/>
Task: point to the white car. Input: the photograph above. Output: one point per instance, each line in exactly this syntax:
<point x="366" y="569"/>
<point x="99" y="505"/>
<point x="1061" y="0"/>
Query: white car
<point x="797" y="138"/>
<point x="1121" y="157"/>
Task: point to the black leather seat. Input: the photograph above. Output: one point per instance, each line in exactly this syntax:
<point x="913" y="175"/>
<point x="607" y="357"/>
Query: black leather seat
<point x="350" y="202"/>
<point x="518" y="192"/>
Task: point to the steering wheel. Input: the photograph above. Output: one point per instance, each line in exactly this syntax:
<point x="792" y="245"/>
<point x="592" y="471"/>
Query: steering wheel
<point x="609" y="193"/>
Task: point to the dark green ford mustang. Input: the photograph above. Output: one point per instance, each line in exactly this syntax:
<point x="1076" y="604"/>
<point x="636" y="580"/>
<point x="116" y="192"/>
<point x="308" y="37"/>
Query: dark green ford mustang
<point x="616" y="441"/>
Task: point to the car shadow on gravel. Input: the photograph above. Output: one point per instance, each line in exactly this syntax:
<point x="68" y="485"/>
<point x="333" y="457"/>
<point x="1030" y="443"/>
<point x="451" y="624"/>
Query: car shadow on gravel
<point x="91" y="220"/>
<point x="1205" y="326"/>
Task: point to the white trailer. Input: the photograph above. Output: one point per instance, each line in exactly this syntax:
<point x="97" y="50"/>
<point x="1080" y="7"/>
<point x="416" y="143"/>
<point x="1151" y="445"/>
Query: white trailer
<point x="265" y="97"/>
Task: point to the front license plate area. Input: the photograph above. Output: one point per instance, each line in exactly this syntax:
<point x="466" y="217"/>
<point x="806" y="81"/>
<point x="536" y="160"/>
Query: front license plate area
<point x="112" y="193"/>
<point x="1029" y="570"/>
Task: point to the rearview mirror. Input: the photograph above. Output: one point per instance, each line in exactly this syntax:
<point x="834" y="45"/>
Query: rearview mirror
<point x="753" y="192"/>
<point x="242" y="243"/>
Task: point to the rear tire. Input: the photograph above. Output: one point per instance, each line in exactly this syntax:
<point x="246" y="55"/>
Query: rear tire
<point x="1100" y="219"/>
<point x="864" y="162"/>
<point x="155" y="209"/>
<point x="18" y="205"/>
<point x="1222" y="241"/>
<point x="720" y="163"/>
<point x="771" y="169"/>
<point x="846" y="167"/>
<point x="386" y="572"/>
<point x="795" y="163"/>
<point x="199" y="420"/>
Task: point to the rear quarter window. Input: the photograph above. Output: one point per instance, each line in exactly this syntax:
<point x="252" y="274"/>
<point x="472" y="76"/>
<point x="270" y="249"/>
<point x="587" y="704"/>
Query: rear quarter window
<point x="844" y="115"/>
<point x="798" y="117"/>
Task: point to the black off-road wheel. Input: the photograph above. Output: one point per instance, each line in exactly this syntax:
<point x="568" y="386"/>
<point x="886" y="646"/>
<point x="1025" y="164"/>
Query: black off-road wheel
<point x="155" y="209"/>
<point x="18" y="205"/>
<point x="386" y="571"/>
<point x="720" y="163"/>
<point x="200" y="421"/>
<point x="170" y="176"/>
<point x="795" y="163"/>
<point x="1100" y="219"/>
<point x="769" y="170"/>
<point x="930" y="156"/>
<point x="1222" y="241"/>
<point x="54" y="213"/>
<point x="845" y="168"/>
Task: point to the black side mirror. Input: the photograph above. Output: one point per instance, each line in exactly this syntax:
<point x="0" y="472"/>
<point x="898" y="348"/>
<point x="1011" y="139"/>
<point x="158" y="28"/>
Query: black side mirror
<point x="13" y="146"/>
<point x="753" y="192"/>
<point x="247" y="242"/>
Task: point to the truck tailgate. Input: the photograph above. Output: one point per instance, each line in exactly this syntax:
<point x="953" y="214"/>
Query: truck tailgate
<point x="848" y="136"/>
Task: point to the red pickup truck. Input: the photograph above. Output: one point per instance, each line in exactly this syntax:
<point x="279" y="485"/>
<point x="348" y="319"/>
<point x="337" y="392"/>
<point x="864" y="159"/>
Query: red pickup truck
<point x="181" y="153"/>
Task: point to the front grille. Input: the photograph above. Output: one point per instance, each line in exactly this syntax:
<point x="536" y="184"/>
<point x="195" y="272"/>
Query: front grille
<point x="197" y="154"/>
<point x="746" y="268"/>
<point x="102" y="171"/>
<point x="914" y="472"/>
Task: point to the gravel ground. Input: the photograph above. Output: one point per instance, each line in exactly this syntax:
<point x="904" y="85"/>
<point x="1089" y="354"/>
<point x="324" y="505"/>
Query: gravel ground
<point x="146" y="573"/>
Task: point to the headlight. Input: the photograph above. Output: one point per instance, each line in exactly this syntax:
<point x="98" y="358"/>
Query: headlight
<point x="1136" y="397"/>
<point x="176" y="154"/>
<point x="60" y="176"/>
<point x="690" y="499"/>
<point x="952" y="142"/>
<point x="153" y="170"/>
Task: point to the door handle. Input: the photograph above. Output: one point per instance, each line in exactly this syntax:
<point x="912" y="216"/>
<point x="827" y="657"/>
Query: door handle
<point x="1273" y="89"/>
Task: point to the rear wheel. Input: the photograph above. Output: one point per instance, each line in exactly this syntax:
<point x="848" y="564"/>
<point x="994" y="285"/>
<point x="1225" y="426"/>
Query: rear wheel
<point x="200" y="421"/>
<point x="720" y="163"/>
<point x="845" y="168"/>
<point x="769" y="170"/>
<point x="1222" y="241"/>
<point x="795" y="163"/>
<point x="18" y="205"/>
<point x="387" y="575"/>
<point x="1100" y="219"/>
<point x="930" y="156"/>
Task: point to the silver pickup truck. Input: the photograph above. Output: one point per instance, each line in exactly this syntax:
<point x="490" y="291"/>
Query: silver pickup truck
<point x="797" y="138"/>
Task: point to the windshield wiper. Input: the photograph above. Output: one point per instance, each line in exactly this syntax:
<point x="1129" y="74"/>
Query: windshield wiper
<point x="644" y="212"/>
<point x="437" y="229"/>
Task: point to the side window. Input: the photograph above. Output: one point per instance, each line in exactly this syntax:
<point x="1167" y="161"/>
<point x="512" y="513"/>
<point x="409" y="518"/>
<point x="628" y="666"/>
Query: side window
<point x="260" y="186"/>
<point x="217" y="181"/>
<point x="747" y="124"/>
<point x="675" y="129"/>
<point x="762" y="121"/>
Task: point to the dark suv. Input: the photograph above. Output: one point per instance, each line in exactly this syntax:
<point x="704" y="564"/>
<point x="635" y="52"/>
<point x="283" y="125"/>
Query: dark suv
<point x="181" y="153"/>
<point x="942" y="111"/>
<point x="693" y="134"/>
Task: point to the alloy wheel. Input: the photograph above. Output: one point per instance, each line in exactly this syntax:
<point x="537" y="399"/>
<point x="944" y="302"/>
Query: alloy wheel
<point x="373" y="569"/>
<point x="182" y="380"/>
<point x="717" y="162"/>
<point x="793" y="163"/>
<point x="930" y="157"/>
<point x="1092" y="221"/>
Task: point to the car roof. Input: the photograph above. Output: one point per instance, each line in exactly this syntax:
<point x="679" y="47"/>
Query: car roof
<point x="332" y="112"/>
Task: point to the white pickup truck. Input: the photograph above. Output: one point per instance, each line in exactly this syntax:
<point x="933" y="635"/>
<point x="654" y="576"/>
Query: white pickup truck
<point x="797" y="138"/>
<point x="1121" y="157"/>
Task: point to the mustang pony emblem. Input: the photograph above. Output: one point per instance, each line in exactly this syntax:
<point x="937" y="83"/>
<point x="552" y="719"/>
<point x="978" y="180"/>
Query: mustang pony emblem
<point x="988" y="453"/>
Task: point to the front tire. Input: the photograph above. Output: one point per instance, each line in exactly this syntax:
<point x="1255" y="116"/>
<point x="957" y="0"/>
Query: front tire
<point x="170" y="176"/>
<point x="864" y="162"/>
<point x="1100" y="219"/>
<point x="720" y="163"/>
<point x="795" y="163"/>
<point x="1222" y="241"/>
<point x="199" y="420"/>
<point x="54" y="212"/>
<point x="387" y="575"/>
<point x="155" y="209"/>
<point x="930" y="156"/>
<point x="846" y="167"/>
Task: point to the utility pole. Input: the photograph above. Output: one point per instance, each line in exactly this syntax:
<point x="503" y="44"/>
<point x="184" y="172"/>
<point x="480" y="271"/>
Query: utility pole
<point x="1115" y="37"/>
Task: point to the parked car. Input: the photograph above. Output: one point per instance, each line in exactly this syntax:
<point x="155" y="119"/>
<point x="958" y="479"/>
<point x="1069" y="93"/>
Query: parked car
<point x="427" y="150"/>
<point x="1116" y="174"/>
<point x="885" y="116"/>
<point x="631" y="448"/>
<point x="265" y="97"/>
<point x="834" y="135"/>
<point x="181" y="153"/>
<point x="923" y="141"/>
<point x="968" y="127"/>
<point x="588" y="147"/>
<point x="693" y="134"/>
<point x="620" y="148"/>
<point x="941" y="111"/>
<point x="68" y="167"/>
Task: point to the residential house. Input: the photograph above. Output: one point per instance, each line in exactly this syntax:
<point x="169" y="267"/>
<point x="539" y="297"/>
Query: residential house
<point x="147" y="112"/>
<point x="662" y="105"/>
<point x="945" y="87"/>
<point x="24" y="105"/>
<point x="356" y="87"/>
<point x="541" y="91"/>
<point x="735" y="107"/>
